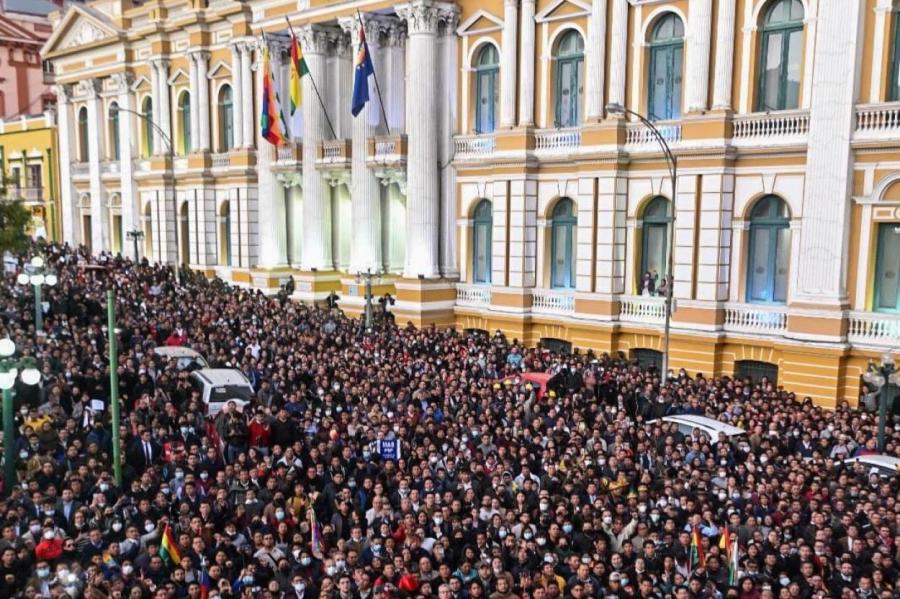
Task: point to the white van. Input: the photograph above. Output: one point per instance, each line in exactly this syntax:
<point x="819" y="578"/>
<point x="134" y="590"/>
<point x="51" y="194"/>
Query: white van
<point x="218" y="386"/>
<point x="185" y="357"/>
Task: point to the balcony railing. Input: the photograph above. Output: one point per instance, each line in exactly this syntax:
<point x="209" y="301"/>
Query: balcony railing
<point x="142" y="165"/>
<point x="473" y="147"/>
<point x="637" y="135"/>
<point x="222" y="160"/>
<point x="110" y="167"/>
<point x="547" y="301"/>
<point x="878" y="121"/>
<point x="473" y="295"/>
<point x="292" y="152"/>
<point x="387" y="150"/>
<point x="27" y="194"/>
<point x="555" y="140"/>
<point x="80" y="168"/>
<point x="750" y="318"/>
<point x="642" y="309"/>
<point x="335" y="153"/>
<point x="766" y="129"/>
<point x="872" y="328"/>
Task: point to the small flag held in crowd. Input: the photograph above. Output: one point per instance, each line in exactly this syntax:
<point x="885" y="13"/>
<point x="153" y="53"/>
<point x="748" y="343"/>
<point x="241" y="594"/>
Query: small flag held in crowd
<point x="362" y="70"/>
<point x="318" y="542"/>
<point x="204" y="584"/>
<point x="733" y="563"/>
<point x="271" y="118"/>
<point x="168" y="548"/>
<point x="697" y="558"/>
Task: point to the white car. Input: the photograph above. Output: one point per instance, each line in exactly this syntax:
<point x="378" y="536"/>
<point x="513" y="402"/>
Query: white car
<point x="218" y="386"/>
<point x="884" y="465"/>
<point x="688" y="423"/>
<point x="185" y="356"/>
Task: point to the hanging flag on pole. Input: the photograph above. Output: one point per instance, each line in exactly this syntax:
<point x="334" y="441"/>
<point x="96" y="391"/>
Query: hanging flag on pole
<point x="168" y="548"/>
<point x="697" y="558"/>
<point x="298" y="70"/>
<point x="271" y="118"/>
<point x="317" y="545"/>
<point x="733" y="563"/>
<point x="362" y="70"/>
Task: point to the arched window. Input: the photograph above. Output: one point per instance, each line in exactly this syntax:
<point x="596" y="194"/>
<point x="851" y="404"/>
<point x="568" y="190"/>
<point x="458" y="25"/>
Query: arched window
<point x="562" y="245"/>
<point x="569" y="79"/>
<point x="887" y="269"/>
<point x="481" y="243"/>
<point x="654" y="245"/>
<point x="146" y="125"/>
<point x="225" y="234"/>
<point x="666" y="60"/>
<point x="114" y="151"/>
<point x="226" y="119"/>
<point x="770" y="242"/>
<point x="780" y="56"/>
<point x="83" y="134"/>
<point x="486" y="89"/>
<point x="184" y="122"/>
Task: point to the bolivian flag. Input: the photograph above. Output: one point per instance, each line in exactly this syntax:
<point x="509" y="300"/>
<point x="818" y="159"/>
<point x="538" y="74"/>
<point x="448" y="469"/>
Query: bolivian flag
<point x="298" y="70"/>
<point x="271" y="119"/>
<point x="698" y="560"/>
<point x="168" y="548"/>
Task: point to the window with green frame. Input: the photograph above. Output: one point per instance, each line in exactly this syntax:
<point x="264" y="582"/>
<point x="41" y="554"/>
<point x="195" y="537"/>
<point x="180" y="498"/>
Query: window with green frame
<point x="562" y="245"/>
<point x="654" y="240"/>
<point x="569" y="79"/>
<point x="768" y="262"/>
<point x="226" y="119"/>
<point x="184" y="121"/>
<point x="887" y="269"/>
<point x="114" y="131"/>
<point x="147" y="126"/>
<point x="780" y="57"/>
<point x="486" y="89"/>
<point x="481" y="243"/>
<point x="893" y="94"/>
<point x="83" y="134"/>
<point x="666" y="67"/>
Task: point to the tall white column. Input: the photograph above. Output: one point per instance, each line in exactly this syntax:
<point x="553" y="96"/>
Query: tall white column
<point x="203" y="100"/>
<point x="724" y="54"/>
<point x="316" y="43"/>
<point x="508" y="64"/>
<point x="821" y="275"/>
<point x="395" y="92"/>
<point x="99" y="210"/>
<point x="272" y="217"/>
<point x="126" y="151"/>
<point x="237" y="94"/>
<point x="596" y="61"/>
<point x="195" y="103"/>
<point x="526" y="66"/>
<point x="157" y="98"/>
<point x="247" y="95"/>
<point x="698" y="55"/>
<point x="365" y="251"/>
<point x="66" y="197"/>
<point x="423" y="199"/>
<point x="618" y="52"/>
<point x="162" y="105"/>
<point x="447" y="94"/>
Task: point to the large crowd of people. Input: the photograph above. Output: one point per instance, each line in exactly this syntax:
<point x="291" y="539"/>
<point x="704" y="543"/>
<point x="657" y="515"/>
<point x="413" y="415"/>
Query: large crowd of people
<point x="407" y="463"/>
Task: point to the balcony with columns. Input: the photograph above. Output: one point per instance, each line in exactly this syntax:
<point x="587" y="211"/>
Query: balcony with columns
<point x="288" y="157"/>
<point x="387" y="151"/>
<point x="877" y="122"/>
<point x="334" y="154"/>
<point x="474" y="149"/>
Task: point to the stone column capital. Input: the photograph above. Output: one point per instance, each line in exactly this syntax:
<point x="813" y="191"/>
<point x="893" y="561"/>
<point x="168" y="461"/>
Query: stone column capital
<point x="63" y="93"/>
<point x="90" y="87"/>
<point x="315" y="39"/>
<point x="122" y="82"/>
<point x="421" y="17"/>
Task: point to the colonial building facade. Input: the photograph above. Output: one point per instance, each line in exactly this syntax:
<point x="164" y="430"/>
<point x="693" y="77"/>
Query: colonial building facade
<point x="493" y="188"/>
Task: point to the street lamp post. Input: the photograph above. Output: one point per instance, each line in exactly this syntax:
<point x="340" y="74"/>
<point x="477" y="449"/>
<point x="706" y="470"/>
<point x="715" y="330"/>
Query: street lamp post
<point x="619" y="109"/>
<point x="886" y="378"/>
<point x="37" y="275"/>
<point x="135" y="235"/>
<point x="171" y="155"/>
<point x="112" y="332"/>
<point x="26" y="370"/>
<point x="369" y="316"/>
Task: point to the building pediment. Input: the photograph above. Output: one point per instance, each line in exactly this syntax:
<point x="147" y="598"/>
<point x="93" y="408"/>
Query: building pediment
<point x="179" y="76"/>
<point x="80" y="28"/>
<point x="481" y="21"/>
<point x="563" y="9"/>
<point x="220" y="69"/>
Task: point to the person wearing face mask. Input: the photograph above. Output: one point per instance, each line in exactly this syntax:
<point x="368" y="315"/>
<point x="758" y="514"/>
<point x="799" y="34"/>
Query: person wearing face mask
<point x="51" y="545"/>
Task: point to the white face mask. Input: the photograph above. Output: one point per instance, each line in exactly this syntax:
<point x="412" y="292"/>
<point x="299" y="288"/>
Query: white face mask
<point x="126" y="570"/>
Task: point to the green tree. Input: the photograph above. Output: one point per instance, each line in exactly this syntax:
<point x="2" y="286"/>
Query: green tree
<point x="14" y="218"/>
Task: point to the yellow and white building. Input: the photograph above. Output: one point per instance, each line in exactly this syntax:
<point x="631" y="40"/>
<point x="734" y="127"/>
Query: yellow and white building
<point x="501" y="193"/>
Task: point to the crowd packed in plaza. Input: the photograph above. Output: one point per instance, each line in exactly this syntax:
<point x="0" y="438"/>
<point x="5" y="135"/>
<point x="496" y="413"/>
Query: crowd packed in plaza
<point x="499" y="491"/>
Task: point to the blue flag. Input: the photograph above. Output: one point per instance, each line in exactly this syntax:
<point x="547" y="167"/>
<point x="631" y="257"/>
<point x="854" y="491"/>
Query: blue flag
<point x="362" y="68"/>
